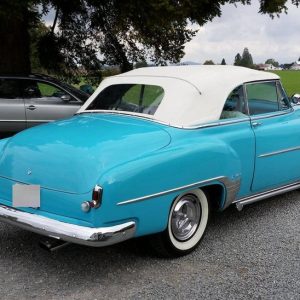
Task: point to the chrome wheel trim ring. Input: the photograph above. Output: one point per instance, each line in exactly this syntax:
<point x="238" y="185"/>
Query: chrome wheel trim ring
<point x="186" y="217"/>
<point x="189" y="244"/>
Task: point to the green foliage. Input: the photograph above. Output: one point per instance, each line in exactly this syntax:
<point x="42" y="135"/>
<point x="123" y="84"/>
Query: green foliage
<point x="247" y="60"/>
<point x="141" y="64"/>
<point x="91" y="33"/>
<point x="223" y="62"/>
<point x="208" y="62"/>
<point x="237" y="60"/>
<point x="110" y="71"/>
<point x="36" y="34"/>
<point x="272" y="61"/>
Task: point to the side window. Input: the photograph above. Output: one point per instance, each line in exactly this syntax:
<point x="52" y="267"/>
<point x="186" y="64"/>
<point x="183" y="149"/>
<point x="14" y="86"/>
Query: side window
<point x="39" y="89"/>
<point x="262" y="98"/>
<point x="48" y="90"/>
<point x="9" y="89"/>
<point x="235" y="105"/>
<point x="30" y="89"/>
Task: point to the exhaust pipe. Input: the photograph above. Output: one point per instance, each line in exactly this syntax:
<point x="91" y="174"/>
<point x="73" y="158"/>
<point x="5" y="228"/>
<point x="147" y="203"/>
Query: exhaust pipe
<point x="52" y="245"/>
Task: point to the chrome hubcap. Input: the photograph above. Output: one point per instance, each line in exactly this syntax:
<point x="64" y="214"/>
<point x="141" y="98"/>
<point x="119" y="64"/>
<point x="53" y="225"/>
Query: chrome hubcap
<point x="186" y="217"/>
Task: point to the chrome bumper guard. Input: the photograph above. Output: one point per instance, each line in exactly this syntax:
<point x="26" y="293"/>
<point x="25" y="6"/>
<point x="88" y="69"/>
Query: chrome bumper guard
<point x="95" y="237"/>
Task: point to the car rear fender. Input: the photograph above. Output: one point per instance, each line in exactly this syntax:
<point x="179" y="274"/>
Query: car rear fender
<point x="144" y="189"/>
<point x="3" y="143"/>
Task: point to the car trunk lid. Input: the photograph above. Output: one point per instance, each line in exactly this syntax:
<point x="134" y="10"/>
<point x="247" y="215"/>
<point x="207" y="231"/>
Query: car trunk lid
<point x="70" y="155"/>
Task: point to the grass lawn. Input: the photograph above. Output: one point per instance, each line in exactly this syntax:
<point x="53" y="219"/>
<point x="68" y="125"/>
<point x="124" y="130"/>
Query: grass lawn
<point x="290" y="81"/>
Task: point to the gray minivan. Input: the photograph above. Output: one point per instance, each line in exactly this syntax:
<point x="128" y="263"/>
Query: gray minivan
<point x="26" y="101"/>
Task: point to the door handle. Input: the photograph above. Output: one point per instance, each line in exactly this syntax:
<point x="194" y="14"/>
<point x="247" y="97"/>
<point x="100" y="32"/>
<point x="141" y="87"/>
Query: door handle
<point x="31" y="107"/>
<point x="256" y="124"/>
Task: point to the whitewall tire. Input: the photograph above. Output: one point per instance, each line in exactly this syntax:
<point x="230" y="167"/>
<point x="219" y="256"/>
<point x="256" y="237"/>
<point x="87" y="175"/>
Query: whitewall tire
<point x="187" y="223"/>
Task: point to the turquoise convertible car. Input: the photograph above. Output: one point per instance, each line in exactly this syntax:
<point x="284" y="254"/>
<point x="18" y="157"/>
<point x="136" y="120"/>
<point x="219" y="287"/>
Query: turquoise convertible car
<point x="152" y="152"/>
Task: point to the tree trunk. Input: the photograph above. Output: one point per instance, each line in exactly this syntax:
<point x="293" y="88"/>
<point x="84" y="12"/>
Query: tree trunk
<point x="15" y="40"/>
<point x="120" y="54"/>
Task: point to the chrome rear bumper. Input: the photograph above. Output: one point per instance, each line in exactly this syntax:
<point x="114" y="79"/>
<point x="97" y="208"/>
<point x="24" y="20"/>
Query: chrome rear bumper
<point x="96" y="237"/>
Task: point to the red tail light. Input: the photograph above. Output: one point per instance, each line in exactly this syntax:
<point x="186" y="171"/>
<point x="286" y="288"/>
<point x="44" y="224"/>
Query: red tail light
<point x="96" y="200"/>
<point x="97" y="196"/>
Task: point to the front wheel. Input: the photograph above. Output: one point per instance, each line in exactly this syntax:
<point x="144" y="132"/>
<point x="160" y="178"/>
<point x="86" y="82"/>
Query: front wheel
<point x="187" y="222"/>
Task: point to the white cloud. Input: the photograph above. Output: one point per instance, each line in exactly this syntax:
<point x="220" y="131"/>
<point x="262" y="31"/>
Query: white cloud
<point x="243" y="26"/>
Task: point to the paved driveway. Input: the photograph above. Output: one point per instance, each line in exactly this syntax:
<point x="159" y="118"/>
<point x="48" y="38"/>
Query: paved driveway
<point x="253" y="254"/>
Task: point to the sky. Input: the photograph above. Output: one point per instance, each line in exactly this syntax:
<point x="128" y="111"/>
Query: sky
<point x="243" y="26"/>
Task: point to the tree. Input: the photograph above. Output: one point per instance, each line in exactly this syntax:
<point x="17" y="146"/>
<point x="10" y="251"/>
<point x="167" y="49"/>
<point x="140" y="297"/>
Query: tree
<point x="273" y="62"/>
<point x="14" y="34"/>
<point x="223" y="62"/>
<point x="141" y="64"/>
<point x="208" y="62"/>
<point x="247" y="60"/>
<point x="36" y="34"/>
<point x="237" y="60"/>
<point x="119" y="32"/>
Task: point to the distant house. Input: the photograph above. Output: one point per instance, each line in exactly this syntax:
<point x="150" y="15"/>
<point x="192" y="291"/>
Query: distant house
<point x="295" y="66"/>
<point x="268" y="67"/>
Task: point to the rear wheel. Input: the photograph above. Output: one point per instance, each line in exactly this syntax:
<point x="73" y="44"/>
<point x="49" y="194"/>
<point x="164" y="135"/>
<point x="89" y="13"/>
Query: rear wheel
<point x="187" y="222"/>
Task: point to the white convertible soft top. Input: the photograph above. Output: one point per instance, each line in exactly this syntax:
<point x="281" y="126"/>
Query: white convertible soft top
<point x="193" y="94"/>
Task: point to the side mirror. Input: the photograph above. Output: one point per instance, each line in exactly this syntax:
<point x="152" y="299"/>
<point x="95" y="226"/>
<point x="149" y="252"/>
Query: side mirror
<point x="295" y="99"/>
<point x="65" y="98"/>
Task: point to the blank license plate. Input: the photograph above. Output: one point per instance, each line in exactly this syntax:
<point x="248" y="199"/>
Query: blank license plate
<point x="26" y="195"/>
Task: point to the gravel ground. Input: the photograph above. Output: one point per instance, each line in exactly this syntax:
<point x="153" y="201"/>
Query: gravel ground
<point x="253" y="254"/>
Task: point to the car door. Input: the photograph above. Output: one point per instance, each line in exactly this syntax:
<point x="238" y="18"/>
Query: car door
<point x="277" y="132"/>
<point x="12" y="110"/>
<point x="45" y="102"/>
<point x="239" y="136"/>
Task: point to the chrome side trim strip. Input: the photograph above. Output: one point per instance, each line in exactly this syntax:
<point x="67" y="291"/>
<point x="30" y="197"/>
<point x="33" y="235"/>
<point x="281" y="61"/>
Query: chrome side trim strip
<point x="240" y="203"/>
<point x="39" y="121"/>
<point x="280" y="151"/>
<point x="272" y="115"/>
<point x="169" y="191"/>
<point x="15" y="121"/>
<point x="232" y="187"/>
<point x="191" y="127"/>
<point x="24" y="121"/>
<point x="219" y="123"/>
<point x="95" y="237"/>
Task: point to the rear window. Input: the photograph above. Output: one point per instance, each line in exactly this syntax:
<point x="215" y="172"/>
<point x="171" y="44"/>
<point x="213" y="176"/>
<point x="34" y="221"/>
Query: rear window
<point x="139" y="98"/>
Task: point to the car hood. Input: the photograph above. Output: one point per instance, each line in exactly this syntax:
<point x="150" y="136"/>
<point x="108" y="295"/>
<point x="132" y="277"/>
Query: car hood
<point x="71" y="155"/>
